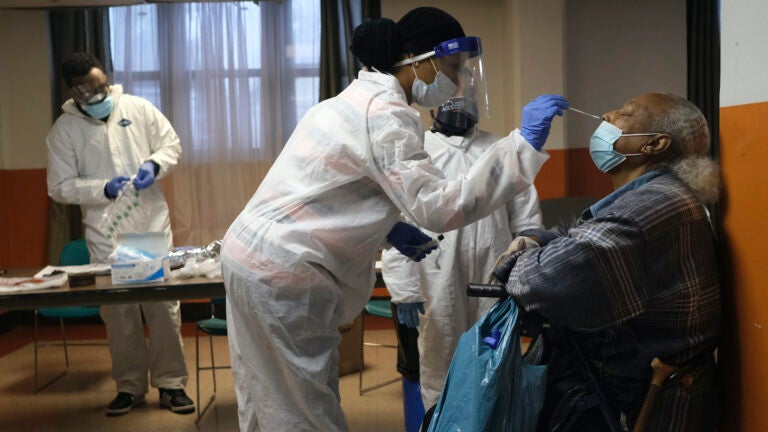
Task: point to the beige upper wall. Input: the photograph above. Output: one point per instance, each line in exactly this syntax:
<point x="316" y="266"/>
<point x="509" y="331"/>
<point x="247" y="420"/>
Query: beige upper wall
<point x="614" y="54"/>
<point x="530" y="47"/>
<point x="535" y="58"/>
<point x="597" y="53"/>
<point x="483" y="18"/>
<point x="523" y="57"/>
<point x="25" y="94"/>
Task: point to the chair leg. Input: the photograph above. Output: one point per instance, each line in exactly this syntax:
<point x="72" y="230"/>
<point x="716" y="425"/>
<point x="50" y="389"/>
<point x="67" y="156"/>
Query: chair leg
<point x="362" y="390"/>
<point x="36" y="339"/>
<point x="202" y="410"/>
<point x="362" y="359"/>
<point x="64" y="342"/>
<point x="380" y="385"/>
<point x="197" y="371"/>
<point x="42" y="387"/>
<point x="213" y="364"/>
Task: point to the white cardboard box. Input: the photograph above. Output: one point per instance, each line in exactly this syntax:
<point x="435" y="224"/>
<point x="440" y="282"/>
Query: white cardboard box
<point x="140" y="271"/>
<point x="156" y="244"/>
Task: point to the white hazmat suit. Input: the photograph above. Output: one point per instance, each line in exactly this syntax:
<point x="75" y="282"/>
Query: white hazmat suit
<point x="299" y="260"/>
<point x="83" y="155"/>
<point x="464" y="255"/>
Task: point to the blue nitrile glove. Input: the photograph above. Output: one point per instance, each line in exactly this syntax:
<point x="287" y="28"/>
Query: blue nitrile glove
<point x="113" y="186"/>
<point x="537" y="118"/>
<point x="410" y="241"/>
<point x="408" y="313"/>
<point x="146" y="175"/>
<point x="493" y="339"/>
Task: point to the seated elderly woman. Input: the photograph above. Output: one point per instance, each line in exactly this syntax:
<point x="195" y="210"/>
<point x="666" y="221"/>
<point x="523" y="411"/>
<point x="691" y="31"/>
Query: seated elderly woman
<point x="635" y="278"/>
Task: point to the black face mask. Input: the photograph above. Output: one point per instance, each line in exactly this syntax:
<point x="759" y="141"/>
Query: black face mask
<point x="453" y="118"/>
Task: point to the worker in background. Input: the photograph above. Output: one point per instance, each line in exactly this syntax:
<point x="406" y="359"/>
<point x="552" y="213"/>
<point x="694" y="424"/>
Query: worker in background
<point x="299" y="260"/>
<point x="636" y="278"/>
<point x="102" y="139"/>
<point x="438" y="283"/>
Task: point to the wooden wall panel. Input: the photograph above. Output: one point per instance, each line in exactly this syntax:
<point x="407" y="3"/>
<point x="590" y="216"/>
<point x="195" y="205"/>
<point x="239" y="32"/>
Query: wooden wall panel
<point x="24" y="218"/>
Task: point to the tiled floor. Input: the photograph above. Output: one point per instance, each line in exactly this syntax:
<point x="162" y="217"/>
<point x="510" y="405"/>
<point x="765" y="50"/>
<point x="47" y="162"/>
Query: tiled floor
<point x="77" y="401"/>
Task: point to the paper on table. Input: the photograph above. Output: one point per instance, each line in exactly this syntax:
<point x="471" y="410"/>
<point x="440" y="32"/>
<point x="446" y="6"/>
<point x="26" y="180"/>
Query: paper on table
<point x="29" y="284"/>
<point x="98" y="269"/>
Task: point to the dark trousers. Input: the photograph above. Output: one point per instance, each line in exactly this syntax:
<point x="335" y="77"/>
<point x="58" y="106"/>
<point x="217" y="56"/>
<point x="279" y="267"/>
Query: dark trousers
<point x="407" y="348"/>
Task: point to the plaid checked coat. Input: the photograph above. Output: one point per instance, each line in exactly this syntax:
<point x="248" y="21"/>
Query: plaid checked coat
<point x="635" y="278"/>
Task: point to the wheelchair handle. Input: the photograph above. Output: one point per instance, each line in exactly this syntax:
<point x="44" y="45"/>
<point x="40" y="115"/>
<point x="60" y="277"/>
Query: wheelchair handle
<point x="486" y="290"/>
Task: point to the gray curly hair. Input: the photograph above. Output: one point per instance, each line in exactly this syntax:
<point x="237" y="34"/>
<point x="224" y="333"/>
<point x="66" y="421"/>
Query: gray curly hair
<point x="688" y="155"/>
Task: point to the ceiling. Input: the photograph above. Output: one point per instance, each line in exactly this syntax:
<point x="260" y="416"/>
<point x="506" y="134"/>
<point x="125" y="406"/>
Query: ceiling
<point x="49" y="4"/>
<point x="35" y="4"/>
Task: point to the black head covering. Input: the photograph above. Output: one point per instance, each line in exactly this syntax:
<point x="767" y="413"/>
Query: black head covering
<point x="423" y="28"/>
<point x="382" y="42"/>
<point x="376" y="43"/>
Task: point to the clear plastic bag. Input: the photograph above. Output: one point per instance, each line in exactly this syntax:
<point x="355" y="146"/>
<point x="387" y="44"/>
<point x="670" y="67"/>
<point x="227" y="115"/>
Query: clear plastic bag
<point x="126" y="214"/>
<point x="125" y="253"/>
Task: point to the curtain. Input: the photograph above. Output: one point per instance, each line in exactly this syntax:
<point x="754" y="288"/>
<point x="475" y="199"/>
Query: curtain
<point x="233" y="79"/>
<point x="83" y="30"/>
<point x="703" y="40"/>
<point x="339" y="18"/>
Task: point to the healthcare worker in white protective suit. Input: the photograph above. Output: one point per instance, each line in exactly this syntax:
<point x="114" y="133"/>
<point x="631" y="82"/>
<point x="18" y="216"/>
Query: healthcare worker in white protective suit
<point x="465" y="255"/>
<point x="103" y="137"/>
<point x="299" y="260"/>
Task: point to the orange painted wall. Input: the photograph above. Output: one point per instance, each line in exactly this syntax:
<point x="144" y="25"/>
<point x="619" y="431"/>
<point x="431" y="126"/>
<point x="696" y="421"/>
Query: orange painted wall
<point x="571" y="173"/>
<point x="25" y="204"/>
<point x="551" y="180"/>
<point x="744" y="351"/>
<point x="23" y="218"/>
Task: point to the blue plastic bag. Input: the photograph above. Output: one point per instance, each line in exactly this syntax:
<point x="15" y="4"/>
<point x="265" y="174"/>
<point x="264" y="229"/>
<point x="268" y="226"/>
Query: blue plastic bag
<point x="489" y="387"/>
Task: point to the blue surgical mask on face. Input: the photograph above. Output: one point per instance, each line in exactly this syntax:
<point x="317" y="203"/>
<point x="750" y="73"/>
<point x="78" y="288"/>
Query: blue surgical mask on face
<point x="101" y="109"/>
<point x="601" y="145"/>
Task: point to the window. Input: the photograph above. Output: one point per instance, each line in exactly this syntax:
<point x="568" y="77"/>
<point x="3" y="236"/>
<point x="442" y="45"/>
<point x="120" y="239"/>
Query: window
<point x="233" y="77"/>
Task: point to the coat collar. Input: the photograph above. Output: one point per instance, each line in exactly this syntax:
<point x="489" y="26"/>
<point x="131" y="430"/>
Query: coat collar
<point x="384" y="79"/>
<point x="597" y="208"/>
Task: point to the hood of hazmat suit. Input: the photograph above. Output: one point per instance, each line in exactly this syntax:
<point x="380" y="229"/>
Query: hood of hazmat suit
<point x="85" y="153"/>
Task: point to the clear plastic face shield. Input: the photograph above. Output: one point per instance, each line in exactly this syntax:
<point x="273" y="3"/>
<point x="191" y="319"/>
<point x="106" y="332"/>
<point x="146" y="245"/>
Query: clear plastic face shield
<point x="462" y="61"/>
<point x="459" y="74"/>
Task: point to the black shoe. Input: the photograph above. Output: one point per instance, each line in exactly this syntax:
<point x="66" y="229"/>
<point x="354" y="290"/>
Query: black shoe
<point x="123" y="403"/>
<point x="176" y="401"/>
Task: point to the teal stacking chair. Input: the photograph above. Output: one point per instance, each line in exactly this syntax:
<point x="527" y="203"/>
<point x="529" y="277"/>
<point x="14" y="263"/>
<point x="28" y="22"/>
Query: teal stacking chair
<point x="213" y="326"/>
<point x="74" y="253"/>
<point x="380" y="308"/>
